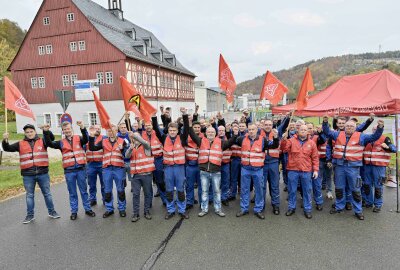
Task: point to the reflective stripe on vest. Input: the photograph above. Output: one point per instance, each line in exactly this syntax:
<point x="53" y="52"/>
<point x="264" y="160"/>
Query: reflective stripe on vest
<point x="140" y="163"/>
<point x="36" y="157"/>
<point x="192" y="150"/>
<point x="156" y="145"/>
<point x="72" y="154"/>
<point x="173" y="153"/>
<point x="253" y="155"/>
<point x="352" y="150"/>
<point x="236" y="150"/>
<point x="375" y="155"/>
<point x="94" y="156"/>
<point x="272" y="152"/>
<point x="210" y="152"/>
<point x="112" y="153"/>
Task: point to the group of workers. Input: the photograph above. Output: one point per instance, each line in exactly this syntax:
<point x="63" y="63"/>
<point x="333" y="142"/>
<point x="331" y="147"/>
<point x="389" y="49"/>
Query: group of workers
<point x="221" y="159"/>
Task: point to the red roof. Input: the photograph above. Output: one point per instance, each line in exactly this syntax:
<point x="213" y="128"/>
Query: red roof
<point x="376" y="92"/>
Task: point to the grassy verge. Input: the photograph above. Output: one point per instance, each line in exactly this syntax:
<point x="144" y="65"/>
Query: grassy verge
<point x="11" y="180"/>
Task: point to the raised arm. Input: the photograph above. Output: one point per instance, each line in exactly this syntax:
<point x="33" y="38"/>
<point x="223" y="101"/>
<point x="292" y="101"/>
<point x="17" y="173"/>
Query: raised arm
<point x="9" y="147"/>
<point x="370" y="138"/>
<point x="156" y="128"/>
<point x="47" y="138"/>
<point x="327" y="131"/>
<point x="185" y="133"/>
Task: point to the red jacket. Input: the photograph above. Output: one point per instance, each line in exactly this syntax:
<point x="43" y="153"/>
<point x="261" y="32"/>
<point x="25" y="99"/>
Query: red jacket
<point x="302" y="158"/>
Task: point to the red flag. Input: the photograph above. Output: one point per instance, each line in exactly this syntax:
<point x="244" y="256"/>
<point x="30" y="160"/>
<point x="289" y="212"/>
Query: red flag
<point x="103" y="115"/>
<point x="15" y="101"/>
<point x="273" y="89"/>
<point x="306" y="86"/>
<point x="226" y="79"/>
<point x="135" y="102"/>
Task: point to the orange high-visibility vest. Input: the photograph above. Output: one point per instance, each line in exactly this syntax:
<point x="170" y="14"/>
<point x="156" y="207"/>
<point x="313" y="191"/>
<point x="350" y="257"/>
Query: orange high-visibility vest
<point x="33" y="157"/>
<point x="173" y="153"/>
<point x="140" y="163"/>
<point x="94" y="156"/>
<point x="113" y="153"/>
<point x="156" y="145"/>
<point x="272" y="152"/>
<point x="253" y="155"/>
<point x="375" y="155"/>
<point x="226" y="154"/>
<point x="210" y="153"/>
<point x="192" y="150"/>
<point x="72" y="154"/>
<point x="352" y="150"/>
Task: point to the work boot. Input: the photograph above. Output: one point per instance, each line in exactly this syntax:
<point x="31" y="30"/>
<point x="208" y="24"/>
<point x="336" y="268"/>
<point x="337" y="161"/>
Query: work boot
<point x="275" y="210"/>
<point x="307" y="215"/>
<point x="93" y="203"/>
<point x="90" y="213"/>
<point x="169" y="215"/>
<point x="318" y="207"/>
<point x="184" y="215"/>
<point x="368" y="206"/>
<point x="28" y="219"/>
<point x="73" y="216"/>
<point x="348" y="206"/>
<point x="231" y="198"/>
<point x="376" y="209"/>
<point x="135" y="218"/>
<point x="259" y="215"/>
<point x="147" y="216"/>
<point x="122" y="213"/>
<point x="290" y="212"/>
<point x="107" y="214"/>
<point x="360" y="216"/>
<point x="241" y="213"/>
<point x="334" y="211"/>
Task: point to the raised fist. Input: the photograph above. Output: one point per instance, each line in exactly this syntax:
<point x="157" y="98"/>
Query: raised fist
<point x="6" y="136"/>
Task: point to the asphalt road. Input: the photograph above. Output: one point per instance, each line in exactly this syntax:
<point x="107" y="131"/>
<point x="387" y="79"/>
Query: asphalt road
<point x="278" y="242"/>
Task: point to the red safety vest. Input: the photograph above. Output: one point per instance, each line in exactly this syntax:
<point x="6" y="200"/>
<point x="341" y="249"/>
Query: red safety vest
<point x="375" y="155"/>
<point x="156" y="145"/>
<point x="192" y="150"/>
<point x="210" y="153"/>
<point x="173" y="153"/>
<point x="272" y="152"/>
<point x="226" y="155"/>
<point x="94" y="156"/>
<point x="352" y="150"/>
<point x="112" y="153"/>
<point x="263" y="133"/>
<point x="253" y="155"/>
<point x="72" y="154"/>
<point x="140" y="163"/>
<point x="321" y="148"/>
<point x="36" y="157"/>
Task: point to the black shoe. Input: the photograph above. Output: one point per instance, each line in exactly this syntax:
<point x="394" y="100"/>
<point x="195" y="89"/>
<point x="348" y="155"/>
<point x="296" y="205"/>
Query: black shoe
<point x="348" y="206"/>
<point x="122" y="213"/>
<point x="93" y="203"/>
<point x="231" y="198"/>
<point x="169" y="215"/>
<point x="368" y="206"/>
<point x="275" y="210"/>
<point x="189" y="206"/>
<point x="333" y="205"/>
<point x="225" y="203"/>
<point x="307" y="215"/>
<point x="73" y="216"/>
<point x="259" y="215"/>
<point x="147" y="216"/>
<point x="360" y="216"/>
<point x="165" y="204"/>
<point x="184" y="215"/>
<point x="285" y="189"/>
<point x="196" y="201"/>
<point x="290" y="212"/>
<point x="90" y="213"/>
<point x="334" y="211"/>
<point x="318" y="207"/>
<point x="107" y="214"/>
<point x="157" y="194"/>
<point x="253" y="200"/>
<point x="241" y="213"/>
<point x="210" y="202"/>
<point x="135" y="218"/>
<point x="376" y="209"/>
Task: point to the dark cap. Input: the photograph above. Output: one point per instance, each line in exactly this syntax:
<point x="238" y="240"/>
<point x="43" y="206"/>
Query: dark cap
<point x="29" y="126"/>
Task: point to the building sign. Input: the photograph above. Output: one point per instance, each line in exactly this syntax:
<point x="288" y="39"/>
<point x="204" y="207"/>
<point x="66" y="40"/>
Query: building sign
<point x="83" y="89"/>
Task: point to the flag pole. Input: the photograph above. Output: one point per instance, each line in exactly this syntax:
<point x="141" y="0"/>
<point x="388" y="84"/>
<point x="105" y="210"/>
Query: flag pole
<point x="397" y="161"/>
<point x="5" y="118"/>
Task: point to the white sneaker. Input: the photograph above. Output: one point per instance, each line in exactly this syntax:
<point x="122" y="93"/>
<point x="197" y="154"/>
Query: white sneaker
<point x="202" y="213"/>
<point x="220" y="213"/>
<point x="329" y="195"/>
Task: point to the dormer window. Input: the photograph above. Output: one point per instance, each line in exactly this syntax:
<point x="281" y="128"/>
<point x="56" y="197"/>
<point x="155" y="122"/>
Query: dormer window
<point x="148" y="42"/>
<point x="170" y="59"/>
<point x="131" y="33"/>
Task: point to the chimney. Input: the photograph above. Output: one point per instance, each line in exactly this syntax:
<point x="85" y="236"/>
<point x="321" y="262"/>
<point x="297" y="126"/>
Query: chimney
<point x="116" y="8"/>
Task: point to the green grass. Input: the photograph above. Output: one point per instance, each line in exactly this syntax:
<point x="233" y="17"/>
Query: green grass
<point x="12" y="130"/>
<point x="12" y="179"/>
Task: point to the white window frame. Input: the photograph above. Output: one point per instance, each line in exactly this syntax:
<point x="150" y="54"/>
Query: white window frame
<point x="100" y="77"/>
<point x="57" y="116"/>
<point x="65" y="80"/>
<point x="73" y="46"/>
<point x="41" y="50"/>
<point x="34" y="82"/>
<point x="140" y="77"/>
<point x="49" y="49"/>
<point x="42" y="82"/>
<point x="74" y="78"/>
<point x="109" y="77"/>
<point x="70" y="17"/>
<point x="82" y="45"/>
<point x="46" y="20"/>
<point x="44" y="118"/>
<point x="89" y="118"/>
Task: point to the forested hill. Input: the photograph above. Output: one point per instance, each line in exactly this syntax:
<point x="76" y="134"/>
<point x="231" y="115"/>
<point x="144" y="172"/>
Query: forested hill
<point x="326" y="71"/>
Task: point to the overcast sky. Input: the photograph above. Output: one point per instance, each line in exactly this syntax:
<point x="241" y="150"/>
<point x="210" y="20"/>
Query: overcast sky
<point x="253" y="35"/>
